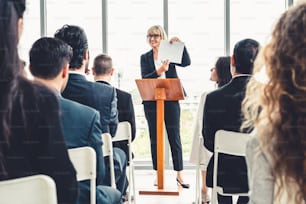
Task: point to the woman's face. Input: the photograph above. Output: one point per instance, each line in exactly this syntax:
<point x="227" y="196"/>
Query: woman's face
<point x="213" y="74"/>
<point x="154" y="39"/>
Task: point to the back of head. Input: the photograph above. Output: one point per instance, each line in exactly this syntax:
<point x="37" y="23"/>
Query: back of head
<point x="48" y="56"/>
<point x="245" y="52"/>
<point x="10" y="12"/>
<point x="102" y="65"/>
<point x="77" y="39"/>
<point x="223" y="69"/>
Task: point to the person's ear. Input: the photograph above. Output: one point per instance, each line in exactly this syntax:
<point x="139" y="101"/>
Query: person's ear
<point x="20" y="27"/>
<point x="65" y="71"/>
<point x="232" y="60"/>
<point x="93" y="71"/>
<point x="86" y="55"/>
<point x="112" y="72"/>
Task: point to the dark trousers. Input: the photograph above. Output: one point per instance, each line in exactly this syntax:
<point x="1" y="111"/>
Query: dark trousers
<point x="229" y="200"/>
<point x="172" y="123"/>
<point x="120" y="170"/>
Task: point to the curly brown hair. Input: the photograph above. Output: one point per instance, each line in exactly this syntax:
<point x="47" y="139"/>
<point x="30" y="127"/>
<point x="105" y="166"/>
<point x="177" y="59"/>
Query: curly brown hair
<point x="277" y="108"/>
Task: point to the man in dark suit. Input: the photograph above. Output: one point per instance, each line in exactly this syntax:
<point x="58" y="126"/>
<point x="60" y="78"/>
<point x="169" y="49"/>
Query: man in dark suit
<point x="103" y="71"/>
<point x="49" y="58"/>
<point x="96" y="95"/>
<point x="222" y="110"/>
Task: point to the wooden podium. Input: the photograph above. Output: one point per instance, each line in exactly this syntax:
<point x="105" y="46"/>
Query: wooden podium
<point x="160" y="90"/>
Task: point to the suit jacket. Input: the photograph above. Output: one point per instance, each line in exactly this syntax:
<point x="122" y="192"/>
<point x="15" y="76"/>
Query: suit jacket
<point x="81" y="127"/>
<point x="36" y="142"/>
<point x="148" y="69"/>
<point x="222" y="110"/>
<point x="96" y="95"/>
<point x="125" y="113"/>
<point x="261" y="179"/>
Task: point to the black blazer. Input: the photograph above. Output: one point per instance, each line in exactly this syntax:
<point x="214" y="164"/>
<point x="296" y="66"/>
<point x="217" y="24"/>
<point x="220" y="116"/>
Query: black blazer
<point x="96" y="95"/>
<point x="125" y="113"/>
<point x="148" y="69"/>
<point x="222" y="110"/>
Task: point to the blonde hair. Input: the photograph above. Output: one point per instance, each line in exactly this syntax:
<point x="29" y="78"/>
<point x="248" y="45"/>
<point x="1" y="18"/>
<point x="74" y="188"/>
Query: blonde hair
<point x="157" y="29"/>
<point x="276" y="107"/>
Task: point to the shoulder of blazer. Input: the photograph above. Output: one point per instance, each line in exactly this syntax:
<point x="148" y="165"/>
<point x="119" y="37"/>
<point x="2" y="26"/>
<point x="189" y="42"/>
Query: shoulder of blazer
<point x="69" y="105"/>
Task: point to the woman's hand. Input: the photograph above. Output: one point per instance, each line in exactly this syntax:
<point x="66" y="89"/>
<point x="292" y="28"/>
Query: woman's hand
<point x="174" y="39"/>
<point x="164" y="67"/>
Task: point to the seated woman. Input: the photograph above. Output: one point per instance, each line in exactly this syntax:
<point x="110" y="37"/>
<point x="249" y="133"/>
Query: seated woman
<point x="199" y="154"/>
<point x="275" y="107"/>
<point x="30" y="132"/>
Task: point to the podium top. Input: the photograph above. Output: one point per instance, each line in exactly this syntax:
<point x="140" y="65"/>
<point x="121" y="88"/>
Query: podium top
<point x="173" y="88"/>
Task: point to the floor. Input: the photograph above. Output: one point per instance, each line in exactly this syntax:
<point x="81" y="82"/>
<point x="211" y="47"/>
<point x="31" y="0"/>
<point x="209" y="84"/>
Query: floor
<point x="144" y="180"/>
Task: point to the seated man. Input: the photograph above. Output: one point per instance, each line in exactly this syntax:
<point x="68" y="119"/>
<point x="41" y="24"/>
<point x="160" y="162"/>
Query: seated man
<point x="103" y="71"/>
<point x="96" y="95"/>
<point x="49" y="58"/>
<point x="222" y="110"/>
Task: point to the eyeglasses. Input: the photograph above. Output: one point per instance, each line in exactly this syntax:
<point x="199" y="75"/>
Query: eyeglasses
<point x="153" y="36"/>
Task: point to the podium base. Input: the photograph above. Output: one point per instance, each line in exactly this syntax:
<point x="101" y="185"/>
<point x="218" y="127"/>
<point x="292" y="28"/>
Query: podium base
<point x="165" y="192"/>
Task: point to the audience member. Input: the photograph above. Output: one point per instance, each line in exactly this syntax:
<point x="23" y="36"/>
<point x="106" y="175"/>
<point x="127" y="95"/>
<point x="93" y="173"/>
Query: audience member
<point x="152" y="67"/>
<point x="103" y="71"/>
<point x="220" y="74"/>
<point x="275" y="107"/>
<point x="100" y="96"/>
<point x="49" y="58"/>
<point x="30" y="132"/>
<point x="222" y="110"/>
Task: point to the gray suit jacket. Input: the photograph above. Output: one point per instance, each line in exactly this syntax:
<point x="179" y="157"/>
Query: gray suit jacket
<point x="81" y="127"/>
<point x="96" y="95"/>
<point x="261" y="181"/>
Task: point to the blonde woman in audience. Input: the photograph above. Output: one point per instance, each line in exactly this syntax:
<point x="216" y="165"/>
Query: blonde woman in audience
<point x="220" y="74"/>
<point x="275" y="105"/>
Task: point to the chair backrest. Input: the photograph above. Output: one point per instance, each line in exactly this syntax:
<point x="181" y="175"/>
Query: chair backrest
<point x="108" y="151"/>
<point x="231" y="143"/>
<point x="84" y="161"/>
<point x="124" y="132"/>
<point x="36" y="189"/>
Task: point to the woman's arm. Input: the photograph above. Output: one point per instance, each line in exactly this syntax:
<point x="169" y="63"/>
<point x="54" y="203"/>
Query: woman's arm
<point x="261" y="181"/>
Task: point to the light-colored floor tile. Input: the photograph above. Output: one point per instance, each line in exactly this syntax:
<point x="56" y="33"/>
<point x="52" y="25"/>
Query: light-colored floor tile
<point x="144" y="180"/>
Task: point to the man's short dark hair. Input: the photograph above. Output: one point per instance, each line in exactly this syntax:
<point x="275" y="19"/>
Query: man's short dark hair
<point x="77" y="39"/>
<point x="245" y="52"/>
<point x="48" y="56"/>
<point x="102" y="64"/>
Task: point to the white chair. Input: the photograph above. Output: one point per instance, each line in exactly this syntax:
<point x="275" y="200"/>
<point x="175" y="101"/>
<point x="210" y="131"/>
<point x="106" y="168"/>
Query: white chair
<point x="232" y="143"/>
<point x="36" y="189"/>
<point x="124" y="132"/>
<point x="108" y="151"/>
<point x="84" y="161"/>
<point x="198" y="193"/>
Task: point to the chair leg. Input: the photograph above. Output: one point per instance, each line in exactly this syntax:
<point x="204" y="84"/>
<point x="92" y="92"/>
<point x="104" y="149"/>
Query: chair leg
<point x="133" y="180"/>
<point x="197" y="191"/>
<point x="214" y="196"/>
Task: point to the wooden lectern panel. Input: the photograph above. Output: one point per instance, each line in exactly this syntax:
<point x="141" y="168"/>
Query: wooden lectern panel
<point x="173" y="87"/>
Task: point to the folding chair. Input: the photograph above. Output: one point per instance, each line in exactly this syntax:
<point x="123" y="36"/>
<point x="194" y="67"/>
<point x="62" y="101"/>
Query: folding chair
<point x="124" y="132"/>
<point x="84" y="161"/>
<point x="28" y="190"/>
<point x="108" y="151"/>
<point x="232" y="143"/>
<point x="198" y="193"/>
